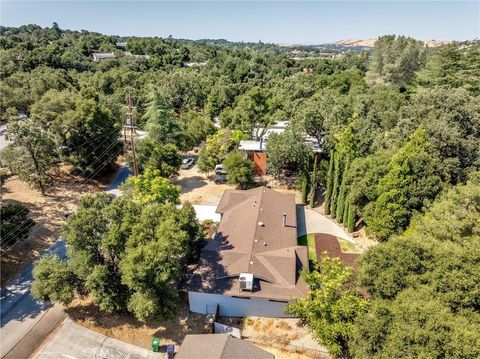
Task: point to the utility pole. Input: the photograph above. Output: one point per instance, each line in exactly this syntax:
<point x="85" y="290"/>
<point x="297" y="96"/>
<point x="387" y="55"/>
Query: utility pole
<point x="130" y="125"/>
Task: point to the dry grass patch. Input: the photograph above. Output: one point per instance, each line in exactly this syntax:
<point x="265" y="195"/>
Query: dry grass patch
<point x="125" y="327"/>
<point x="47" y="211"/>
<point x="272" y="329"/>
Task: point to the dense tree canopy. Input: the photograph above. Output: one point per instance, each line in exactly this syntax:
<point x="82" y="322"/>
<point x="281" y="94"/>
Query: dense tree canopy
<point x="331" y="306"/>
<point x="239" y="169"/>
<point x="398" y="132"/>
<point x="122" y="254"/>
<point x="426" y="282"/>
<point x="151" y="187"/>
<point x="31" y="154"/>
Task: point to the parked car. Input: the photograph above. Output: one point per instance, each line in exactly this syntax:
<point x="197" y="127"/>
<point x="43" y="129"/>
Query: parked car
<point x="220" y="178"/>
<point x="187" y="163"/>
<point x="219" y="170"/>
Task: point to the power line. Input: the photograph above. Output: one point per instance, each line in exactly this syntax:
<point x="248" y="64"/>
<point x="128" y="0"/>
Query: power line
<point x="129" y="124"/>
<point x="55" y="233"/>
<point x="10" y="234"/>
<point x="87" y="141"/>
<point x="77" y="166"/>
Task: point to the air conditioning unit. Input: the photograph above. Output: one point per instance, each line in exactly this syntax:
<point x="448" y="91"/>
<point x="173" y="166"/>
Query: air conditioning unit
<point x="246" y="281"/>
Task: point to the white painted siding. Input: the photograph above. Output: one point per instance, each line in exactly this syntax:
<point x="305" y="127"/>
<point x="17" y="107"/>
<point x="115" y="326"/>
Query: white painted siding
<point x="205" y="303"/>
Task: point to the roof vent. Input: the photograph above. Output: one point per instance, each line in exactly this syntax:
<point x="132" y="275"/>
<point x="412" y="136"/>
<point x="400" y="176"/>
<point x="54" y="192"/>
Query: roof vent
<point x="261" y="224"/>
<point x="246" y="281"/>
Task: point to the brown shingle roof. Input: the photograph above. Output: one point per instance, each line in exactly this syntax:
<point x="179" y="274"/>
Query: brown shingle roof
<point x="219" y="346"/>
<point x="252" y="238"/>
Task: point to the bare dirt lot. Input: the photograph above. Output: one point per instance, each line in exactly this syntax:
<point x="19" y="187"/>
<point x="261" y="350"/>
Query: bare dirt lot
<point x="197" y="188"/>
<point x="47" y="211"/>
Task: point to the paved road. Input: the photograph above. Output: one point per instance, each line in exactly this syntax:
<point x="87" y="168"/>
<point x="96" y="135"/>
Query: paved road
<point x="74" y="341"/>
<point x="19" y="311"/>
<point x="3" y="141"/>
<point x="121" y="176"/>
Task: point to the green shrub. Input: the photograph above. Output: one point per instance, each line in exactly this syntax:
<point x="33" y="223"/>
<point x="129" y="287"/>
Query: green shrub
<point x="16" y="222"/>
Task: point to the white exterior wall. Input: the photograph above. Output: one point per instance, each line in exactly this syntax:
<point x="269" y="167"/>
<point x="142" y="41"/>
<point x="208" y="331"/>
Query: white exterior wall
<point x="205" y="303"/>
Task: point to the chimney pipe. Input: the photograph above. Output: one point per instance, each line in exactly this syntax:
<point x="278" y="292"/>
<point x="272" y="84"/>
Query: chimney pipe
<point x="284" y="219"/>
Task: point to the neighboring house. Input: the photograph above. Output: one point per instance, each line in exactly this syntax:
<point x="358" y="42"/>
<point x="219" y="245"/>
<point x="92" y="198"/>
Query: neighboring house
<point x="98" y="56"/>
<point x="194" y="64"/>
<point x="219" y="346"/>
<point x="129" y="54"/>
<point x="252" y="266"/>
<point x="255" y="150"/>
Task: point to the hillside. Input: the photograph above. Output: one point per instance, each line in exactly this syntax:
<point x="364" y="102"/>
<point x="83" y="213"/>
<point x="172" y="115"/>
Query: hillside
<point x="371" y="42"/>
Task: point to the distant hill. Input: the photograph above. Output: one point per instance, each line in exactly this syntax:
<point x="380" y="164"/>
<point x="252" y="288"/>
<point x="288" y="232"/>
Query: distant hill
<point x="371" y="42"/>
<point x="357" y="42"/>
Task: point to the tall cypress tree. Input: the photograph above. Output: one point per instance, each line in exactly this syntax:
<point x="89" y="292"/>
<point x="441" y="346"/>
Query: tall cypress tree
<point x="313" y="186"/>
<point x="328" y="193"/>
<point x="341" y="194"/>
<point x="305" y="184"/>
<point x="336" y="185"/>
<point x="351" y="217"/>
<point x="346" y="209"/>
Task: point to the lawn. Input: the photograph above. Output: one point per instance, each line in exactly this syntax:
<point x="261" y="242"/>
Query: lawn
<point x="346" y="246"/>
<point x="309" y="241"/>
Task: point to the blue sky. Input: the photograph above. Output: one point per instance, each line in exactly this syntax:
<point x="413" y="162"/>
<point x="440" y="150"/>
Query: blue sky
<point x="298" y="22"/>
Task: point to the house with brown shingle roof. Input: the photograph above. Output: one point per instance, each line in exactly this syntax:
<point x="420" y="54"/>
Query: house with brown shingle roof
<point x="252" y="266"/>
<point x="219" y="346"/>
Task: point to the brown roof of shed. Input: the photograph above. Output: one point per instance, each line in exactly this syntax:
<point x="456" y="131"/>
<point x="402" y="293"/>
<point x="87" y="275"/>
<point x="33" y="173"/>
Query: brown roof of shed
<point x="258" y="235"/>
<point x="219" y="346"/>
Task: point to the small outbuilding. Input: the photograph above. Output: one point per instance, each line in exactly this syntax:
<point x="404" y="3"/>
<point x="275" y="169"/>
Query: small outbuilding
<point x="255" y="151"/>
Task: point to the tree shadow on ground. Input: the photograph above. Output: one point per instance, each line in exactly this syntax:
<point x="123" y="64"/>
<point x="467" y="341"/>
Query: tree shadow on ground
<point x="123" y="325"/>
<point x="189" y="184"/>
